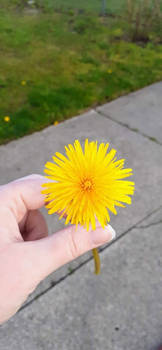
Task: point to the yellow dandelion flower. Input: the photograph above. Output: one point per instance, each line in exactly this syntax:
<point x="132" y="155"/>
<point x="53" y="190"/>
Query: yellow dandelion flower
<point x="87" y="184"/>
<point x="23" y="82"/>
<point x="55" y="123"/>
<point x="7" y="118"/>
<point x="109" y="71"/>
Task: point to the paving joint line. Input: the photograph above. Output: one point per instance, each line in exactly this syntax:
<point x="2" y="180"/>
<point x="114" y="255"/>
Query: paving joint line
<point x="151" y="224"/>
<point x="54" y="283"/>
<point x="153" y="139"/>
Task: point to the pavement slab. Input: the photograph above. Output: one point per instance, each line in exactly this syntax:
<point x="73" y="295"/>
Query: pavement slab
<point x="140" y="111"/>
<point x="29" y="154"/>
<point x="65" y="329"/>
<point x="118" y="310"/>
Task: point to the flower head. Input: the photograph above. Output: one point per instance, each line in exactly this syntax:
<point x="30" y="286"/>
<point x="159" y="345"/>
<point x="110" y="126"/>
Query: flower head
<point x="23" y="82"/>
<point x="87" y="183"/>
<point x="7" y="118"/>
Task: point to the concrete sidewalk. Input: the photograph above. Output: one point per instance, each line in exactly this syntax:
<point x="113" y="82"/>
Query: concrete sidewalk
<point x="122" y="308"/>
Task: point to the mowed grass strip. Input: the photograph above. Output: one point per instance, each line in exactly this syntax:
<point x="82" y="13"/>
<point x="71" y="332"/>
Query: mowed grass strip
<point x="56" y="65"/>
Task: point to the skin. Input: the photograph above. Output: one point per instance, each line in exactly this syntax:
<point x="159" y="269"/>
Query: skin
<point x="27" y="253"/>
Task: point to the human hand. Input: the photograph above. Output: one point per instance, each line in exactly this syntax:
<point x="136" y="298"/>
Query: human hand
<point x="27" y="253"/>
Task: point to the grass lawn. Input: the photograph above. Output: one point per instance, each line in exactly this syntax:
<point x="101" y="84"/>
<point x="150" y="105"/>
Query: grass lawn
<point x="55" y="65"/>
<point x="84" y="5"/>
<point x="93" y="6"/>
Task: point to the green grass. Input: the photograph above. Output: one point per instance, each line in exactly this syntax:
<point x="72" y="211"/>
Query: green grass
<point x="84" y="6"/>
<point x="70" y="63"/>
<point x="94" y="6"/>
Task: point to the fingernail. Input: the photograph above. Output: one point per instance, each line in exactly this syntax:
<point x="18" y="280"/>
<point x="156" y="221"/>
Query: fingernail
<point x="113" y="233"/>
<point x="101" y="236"/>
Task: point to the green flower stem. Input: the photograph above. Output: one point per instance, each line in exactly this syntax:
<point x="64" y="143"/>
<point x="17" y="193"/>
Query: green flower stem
<point x="96" y="261"/>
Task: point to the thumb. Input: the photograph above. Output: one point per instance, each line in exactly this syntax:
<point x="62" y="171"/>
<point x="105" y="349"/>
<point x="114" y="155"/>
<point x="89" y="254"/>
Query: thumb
<point x="48" y="254"/>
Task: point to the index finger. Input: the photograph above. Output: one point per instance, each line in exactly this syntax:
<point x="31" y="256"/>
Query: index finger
<point x="22" y="195"/>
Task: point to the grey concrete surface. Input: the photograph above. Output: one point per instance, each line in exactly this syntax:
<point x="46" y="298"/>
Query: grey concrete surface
<point x="141" y="111"/>
<point x="75" y="292"/>
<point x="120" y="309"/>
<point x="29" y="154"/>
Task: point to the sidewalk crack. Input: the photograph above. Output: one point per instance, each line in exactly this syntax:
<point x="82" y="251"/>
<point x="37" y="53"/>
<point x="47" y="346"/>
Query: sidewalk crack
<point x="151" y="224"/>
<point x="153" y="139"/>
